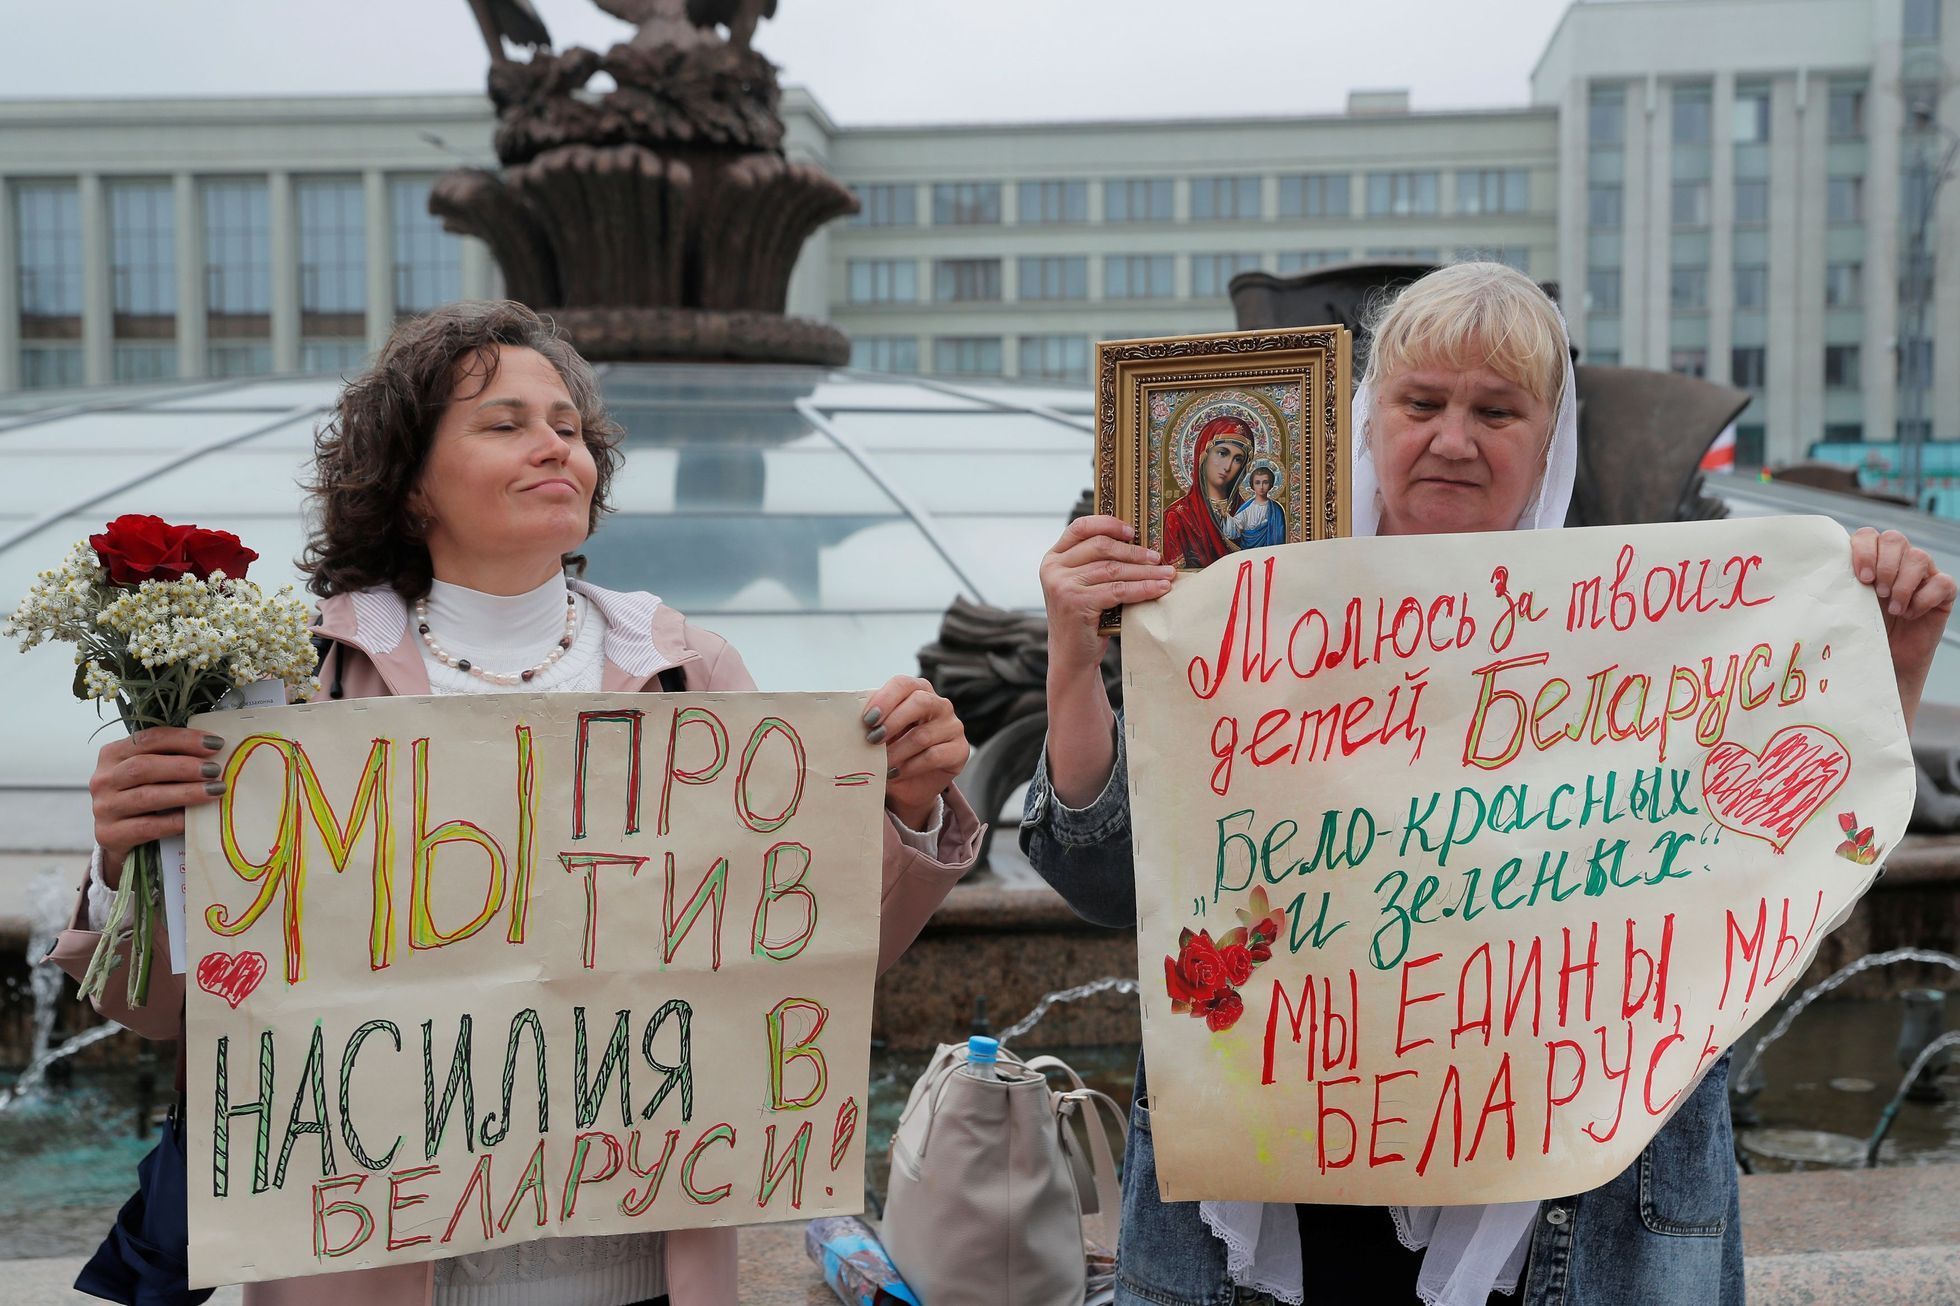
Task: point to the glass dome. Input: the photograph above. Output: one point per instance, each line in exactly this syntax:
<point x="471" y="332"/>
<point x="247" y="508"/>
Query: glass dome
<point x="821" y="520"/>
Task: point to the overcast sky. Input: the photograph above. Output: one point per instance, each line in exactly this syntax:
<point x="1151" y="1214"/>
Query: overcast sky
<point x="867" y="61"/>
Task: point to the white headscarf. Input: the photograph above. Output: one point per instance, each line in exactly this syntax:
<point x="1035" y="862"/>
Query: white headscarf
<point x="1467" y="1250"/>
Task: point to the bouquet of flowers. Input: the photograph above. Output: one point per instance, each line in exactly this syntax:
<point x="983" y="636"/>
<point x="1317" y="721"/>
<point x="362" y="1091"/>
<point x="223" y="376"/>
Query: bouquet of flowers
<point x="164" y="624"/>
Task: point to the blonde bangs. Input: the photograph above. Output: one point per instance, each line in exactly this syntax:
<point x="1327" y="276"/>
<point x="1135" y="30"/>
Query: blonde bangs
<point x="1473" y="315"/>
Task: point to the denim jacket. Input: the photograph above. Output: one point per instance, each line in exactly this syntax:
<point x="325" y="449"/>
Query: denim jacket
<point x="1666" y="1232"/>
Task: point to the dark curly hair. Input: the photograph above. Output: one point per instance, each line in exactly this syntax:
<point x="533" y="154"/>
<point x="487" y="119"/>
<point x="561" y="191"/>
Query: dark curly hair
<point x="368" y="457"/>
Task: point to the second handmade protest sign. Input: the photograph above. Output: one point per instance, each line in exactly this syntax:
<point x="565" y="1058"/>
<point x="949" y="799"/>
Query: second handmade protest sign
<point x="472" y="971"/>
<point x="1460" y="860"/>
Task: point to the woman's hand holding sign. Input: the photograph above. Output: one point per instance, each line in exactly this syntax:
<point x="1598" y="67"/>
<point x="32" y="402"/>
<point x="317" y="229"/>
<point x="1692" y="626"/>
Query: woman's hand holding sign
<point x="1094" y="567"/>
<point x="1916" y="598"/>
<point x="925" y="745"/>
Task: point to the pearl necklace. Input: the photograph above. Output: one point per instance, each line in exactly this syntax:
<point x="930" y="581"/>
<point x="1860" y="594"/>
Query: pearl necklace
<point x="496" y="678"/>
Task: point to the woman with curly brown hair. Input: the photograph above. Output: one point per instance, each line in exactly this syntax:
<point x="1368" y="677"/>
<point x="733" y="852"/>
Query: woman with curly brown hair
<point x="454" y="484"/>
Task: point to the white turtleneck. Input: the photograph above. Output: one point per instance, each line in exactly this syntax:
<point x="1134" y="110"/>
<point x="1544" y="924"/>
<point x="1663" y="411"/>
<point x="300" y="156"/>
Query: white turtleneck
<point x="507" y="634"/>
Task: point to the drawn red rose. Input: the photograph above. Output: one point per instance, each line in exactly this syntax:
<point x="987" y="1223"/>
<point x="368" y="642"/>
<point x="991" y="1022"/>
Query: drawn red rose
<point x="136" y="547"/>
<point x="1201" y="964"/>
<point x="214" y="551"/>
<point x="1224" y="1010"/>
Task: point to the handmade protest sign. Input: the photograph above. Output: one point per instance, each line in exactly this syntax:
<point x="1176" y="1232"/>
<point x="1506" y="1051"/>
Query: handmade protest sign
<point x="472" y="971"/>
<point x="1461" y="859"/>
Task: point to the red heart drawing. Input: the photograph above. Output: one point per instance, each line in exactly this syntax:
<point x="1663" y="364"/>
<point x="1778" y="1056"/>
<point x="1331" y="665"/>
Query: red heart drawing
<point x="231" y="978"/>
<point x="1770" y="795"/>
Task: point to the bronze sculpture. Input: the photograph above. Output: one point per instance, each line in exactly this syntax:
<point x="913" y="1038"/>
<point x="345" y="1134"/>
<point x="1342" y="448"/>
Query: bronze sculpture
<point x="660" y="219"/>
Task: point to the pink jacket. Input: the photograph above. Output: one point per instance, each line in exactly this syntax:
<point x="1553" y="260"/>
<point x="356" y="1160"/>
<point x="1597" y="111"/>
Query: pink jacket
<point x="374" y="658"/>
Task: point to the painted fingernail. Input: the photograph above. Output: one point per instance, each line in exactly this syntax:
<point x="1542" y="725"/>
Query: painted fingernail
<point x="215" y="788"/>
<point x="871" y="717"/>
<point x="210" y="770"/>
<point x="875" y="735"/>
<point x="213" y="743"/>
<point x="892" y="774"/>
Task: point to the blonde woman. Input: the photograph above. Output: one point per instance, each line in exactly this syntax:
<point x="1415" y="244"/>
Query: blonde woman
<point x="1468" y="423"/>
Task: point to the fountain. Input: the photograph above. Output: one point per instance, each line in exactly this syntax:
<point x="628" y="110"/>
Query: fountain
<point x="659" y="220"/>
<point x="51" y="898"/>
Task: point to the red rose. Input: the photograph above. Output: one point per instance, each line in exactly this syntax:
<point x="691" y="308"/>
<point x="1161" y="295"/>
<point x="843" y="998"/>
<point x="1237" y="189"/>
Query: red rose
<point x="1237" y="962"/>
<point x="215" y="551"/>
<point x="135" y="548"/>
<point x="1224" y="1010"/>
<point x="1202" y="966"/>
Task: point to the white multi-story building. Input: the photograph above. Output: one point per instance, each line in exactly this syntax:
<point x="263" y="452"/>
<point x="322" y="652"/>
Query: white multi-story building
<point x="1722" y="187"/>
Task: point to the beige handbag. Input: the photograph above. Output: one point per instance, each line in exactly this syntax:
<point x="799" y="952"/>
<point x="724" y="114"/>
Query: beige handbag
<point x="993" y="1182"/>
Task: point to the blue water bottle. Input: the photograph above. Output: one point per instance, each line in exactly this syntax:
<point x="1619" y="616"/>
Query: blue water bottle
<point x="982" y="1058"/>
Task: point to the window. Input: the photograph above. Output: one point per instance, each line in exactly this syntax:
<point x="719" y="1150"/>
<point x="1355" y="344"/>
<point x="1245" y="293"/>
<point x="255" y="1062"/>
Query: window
<point x="966" y="355"/>
<point x="1841" y="367"/>
<point x="885" y="353"/>
<point x="1137" y="276"/>
<point x="1687" y="287"/>
<point x="1137" y="199"/>
<point x="1692" y="106"/>
<point x="1054" y="201"/>
<point x="332" y="247"/>
<point x="1750" y="115"/>
<point x="146" y="360"/>
<point x="1917" y="193"/>
<point x="966" y="204"/>
<point x="1219" y="199"/>
<point x="1747" y="367"/>
<point x="1411" y="253"/>
<point x="428" y="260"/>
<point x="965" y="280"/>
<point x="1749" y="440"/>
<point x="1844" y="199"/>
<point x="1916" y="364"/>
<point x="1847" y="112"/>
<point x="1493" y="190"/>
<point x="1055" y="278"/>
<point x="237" y="250"/>
<point x="1688" y="362"/>
<point x="1916" y="277"/>
<point x="50" y="366"/>
<point x="1603" y="358"/>
<point x="1751" y="286"/>
<point x="1511" y="256"/>
<point x="1751" y="203"/>
<point x="1055" y="358"/>
<point x="1844" y="433"/>
<point x="229" y="358"/>
<point x="1401" y="194"/>
<point x="48" y="245"/>
<point x="143" y="249"/>
<point x="1305" y="260"/>
<point x="1323" y="195"/>
<point x="887" y="206"/>
<point x="1603" y="291"/>
<point x="1922" y="105"/>
<point x="331" y="355"/>
<point x="1212" y="273"/>
<point x="1844" y="285"/>
<point x="1690" y="204"/>
<point x="1606" y="116"/>
<point x="883" y="281"/>
<point x="1922" y="20"/>
<point x="1603" y="207"/>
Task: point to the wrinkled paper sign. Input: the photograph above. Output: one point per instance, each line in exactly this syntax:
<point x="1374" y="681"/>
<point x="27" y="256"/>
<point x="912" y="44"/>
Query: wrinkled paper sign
<point x="1460" y="860"/>
<point x="467" y="972"/>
